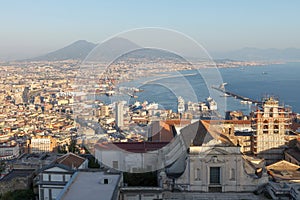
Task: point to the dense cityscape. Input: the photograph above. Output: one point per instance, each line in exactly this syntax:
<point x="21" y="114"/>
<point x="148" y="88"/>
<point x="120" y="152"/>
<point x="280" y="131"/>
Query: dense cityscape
<point x="51" y="132"/>
<point x="149" y="100"/>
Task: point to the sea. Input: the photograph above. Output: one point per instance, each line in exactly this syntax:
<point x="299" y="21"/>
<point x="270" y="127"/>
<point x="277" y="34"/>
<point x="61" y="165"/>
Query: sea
<point x="281" y="81"/>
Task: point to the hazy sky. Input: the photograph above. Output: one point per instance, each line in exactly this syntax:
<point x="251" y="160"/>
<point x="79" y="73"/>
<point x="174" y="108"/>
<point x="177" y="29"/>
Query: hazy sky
<point x="31" y="28"/>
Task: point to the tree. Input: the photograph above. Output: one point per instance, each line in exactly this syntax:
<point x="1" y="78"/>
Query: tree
<point x="18" y="194"/>
<point x="2" y="166"/>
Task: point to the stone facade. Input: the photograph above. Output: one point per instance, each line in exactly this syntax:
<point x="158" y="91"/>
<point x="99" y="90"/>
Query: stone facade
<point x="217" y="169"/>
<point x="17" y="179"/>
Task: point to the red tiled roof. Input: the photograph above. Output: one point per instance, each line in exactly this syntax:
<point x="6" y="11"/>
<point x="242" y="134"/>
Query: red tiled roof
<point x="163" y="130"/>
<point x="71" y="160"/>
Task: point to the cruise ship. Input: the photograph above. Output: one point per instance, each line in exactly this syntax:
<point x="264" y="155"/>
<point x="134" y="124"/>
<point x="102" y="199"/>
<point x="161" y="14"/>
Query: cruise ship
<point x="211" y="103"/>
<point x="181" y="106"/>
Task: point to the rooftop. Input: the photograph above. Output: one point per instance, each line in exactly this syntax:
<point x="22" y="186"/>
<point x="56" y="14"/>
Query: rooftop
<point x="136" y="147"/>
<point x="18" y="173"/>
<point x="284" y="171"/>
<point x="91" y="185"/>
<point x="294" y="152"/>
<point x="71" y="160"/>
<point x="210" y="130"/>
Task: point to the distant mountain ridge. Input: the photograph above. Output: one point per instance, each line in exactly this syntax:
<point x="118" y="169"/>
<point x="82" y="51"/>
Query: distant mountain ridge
<point x="77" y="51"/>
<point x="112" y="48"/>
<point x="252" y="54"/>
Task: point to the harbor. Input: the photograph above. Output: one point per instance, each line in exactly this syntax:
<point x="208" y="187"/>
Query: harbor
<point x="237" y="96"/>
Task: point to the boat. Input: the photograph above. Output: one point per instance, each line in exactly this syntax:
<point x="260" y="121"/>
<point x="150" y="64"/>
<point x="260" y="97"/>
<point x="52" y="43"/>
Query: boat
<point x="181" y="106"/>
<point x="132" y="95"/>
<point x="110" y="93"/>
<point x="225" y="95"/>
<point x="222" y="86"/>
<point x="137" y="90"/>
<point x="211" y="103"/>
<point x="152" y="106"/>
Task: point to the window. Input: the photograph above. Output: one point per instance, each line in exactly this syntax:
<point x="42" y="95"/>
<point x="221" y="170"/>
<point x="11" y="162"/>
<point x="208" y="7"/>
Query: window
<point x="42" y="194"/>
<point x="50" y="194"/>
<point x="232" y="174"/>
<point x="214" y="175"/>
<point x="197" y="174"/>
<point x="115" y="164"/>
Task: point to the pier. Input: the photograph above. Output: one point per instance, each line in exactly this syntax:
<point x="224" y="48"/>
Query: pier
<point x="237" y="96"/>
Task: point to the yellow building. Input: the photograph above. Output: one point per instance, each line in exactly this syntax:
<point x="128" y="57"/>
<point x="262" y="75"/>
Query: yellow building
<point x="104" y="110"/>
<point x="40" y="144"/>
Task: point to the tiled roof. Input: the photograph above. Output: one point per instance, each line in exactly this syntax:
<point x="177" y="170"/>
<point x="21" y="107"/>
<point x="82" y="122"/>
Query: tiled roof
<point x="71" y="160"/>
<point x="164" y="131"/>
<point x="209" y="130"/>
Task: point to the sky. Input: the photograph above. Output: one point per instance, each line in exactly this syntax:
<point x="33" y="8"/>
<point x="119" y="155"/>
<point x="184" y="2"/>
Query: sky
<point x="33" y="27"/>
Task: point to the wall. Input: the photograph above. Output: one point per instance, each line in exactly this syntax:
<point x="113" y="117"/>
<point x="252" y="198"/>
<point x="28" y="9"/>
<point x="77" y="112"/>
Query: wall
<point x="14" y="184"/>
<point x="233" y="177"/>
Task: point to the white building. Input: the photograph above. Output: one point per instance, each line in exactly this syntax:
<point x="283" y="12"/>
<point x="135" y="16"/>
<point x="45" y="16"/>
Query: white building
<point x="93" y="186"/>
<point x="221" y="169"/>
<point x="213" y="164"/>
<point x="53" y="178"/>
<point x="200" y="159"/>
<point x="128" y="156"/>
<point x="120" y="114"/>
<point x="9" y="150"/>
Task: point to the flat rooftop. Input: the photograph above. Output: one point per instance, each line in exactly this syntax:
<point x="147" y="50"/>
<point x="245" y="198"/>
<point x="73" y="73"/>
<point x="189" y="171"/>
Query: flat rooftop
<point x="91" y="185"/>
<point x="18" y="173"/>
